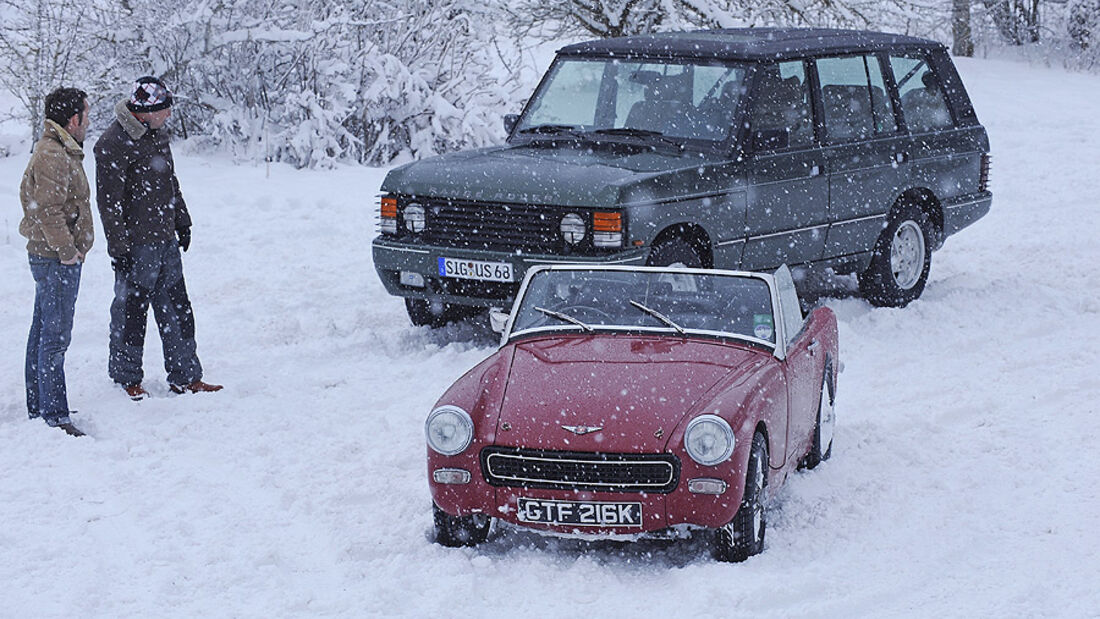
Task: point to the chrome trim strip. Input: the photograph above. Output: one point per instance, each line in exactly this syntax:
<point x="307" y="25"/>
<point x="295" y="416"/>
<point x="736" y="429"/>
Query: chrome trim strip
<point x="553" y="261"/>
<point x="786" y="232"/>
<point x="405" y="249"/>
<point x="724" y="243"/>
<point x="644" y="329"/>
<point x="967" y="203"/>
<point x="858" y="219"/>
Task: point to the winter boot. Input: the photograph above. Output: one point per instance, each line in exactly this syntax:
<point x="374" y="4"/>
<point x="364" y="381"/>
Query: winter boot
<point x="136" y="392"/>
<point x="196" y="387"/>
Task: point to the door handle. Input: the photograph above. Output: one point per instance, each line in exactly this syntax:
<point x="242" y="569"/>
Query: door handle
<point x="813" y="346"/>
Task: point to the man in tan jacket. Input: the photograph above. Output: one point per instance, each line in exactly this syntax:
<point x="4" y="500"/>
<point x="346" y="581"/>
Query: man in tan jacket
<point x="57" y="221"/>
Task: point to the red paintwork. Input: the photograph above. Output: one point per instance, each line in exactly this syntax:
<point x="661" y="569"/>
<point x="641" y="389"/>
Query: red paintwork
<point x="642" y="389"/>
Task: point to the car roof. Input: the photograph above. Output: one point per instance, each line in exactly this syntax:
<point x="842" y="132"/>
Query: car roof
<point x="748" y="43"/>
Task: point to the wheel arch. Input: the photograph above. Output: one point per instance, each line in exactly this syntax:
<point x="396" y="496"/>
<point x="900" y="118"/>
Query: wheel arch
<point x="695" y="234"/>
<point x="929" y="204"/>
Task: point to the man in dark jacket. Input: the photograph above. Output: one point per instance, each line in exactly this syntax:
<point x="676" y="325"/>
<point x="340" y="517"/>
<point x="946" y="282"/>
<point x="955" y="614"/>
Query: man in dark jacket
<point x="146" y="224"/>
<point x="57" y="221"/>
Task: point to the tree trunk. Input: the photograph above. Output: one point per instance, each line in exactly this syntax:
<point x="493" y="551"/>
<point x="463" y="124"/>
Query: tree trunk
<point x="960" y="28"/>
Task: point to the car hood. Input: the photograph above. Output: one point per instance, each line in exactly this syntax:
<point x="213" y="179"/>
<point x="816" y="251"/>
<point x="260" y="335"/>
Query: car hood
<point x="566" y="175"/>
<point x="637" y="390"/>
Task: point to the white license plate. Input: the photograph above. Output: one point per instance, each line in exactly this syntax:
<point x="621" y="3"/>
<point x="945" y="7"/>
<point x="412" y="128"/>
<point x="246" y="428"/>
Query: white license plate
<point x="580" y="513"/>
<point x="475" y="269"/>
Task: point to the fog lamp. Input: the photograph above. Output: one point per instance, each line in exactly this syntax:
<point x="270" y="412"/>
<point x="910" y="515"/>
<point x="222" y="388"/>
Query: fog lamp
<point x="414" y="218"/>
<point x="572" y="228"/>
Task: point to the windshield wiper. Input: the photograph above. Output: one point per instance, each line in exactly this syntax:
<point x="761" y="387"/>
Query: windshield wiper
<point x="658" y="316"/>
<point x="564" y="317"/>
<point x="550" y="129"/>
<point x="644" y="134"/>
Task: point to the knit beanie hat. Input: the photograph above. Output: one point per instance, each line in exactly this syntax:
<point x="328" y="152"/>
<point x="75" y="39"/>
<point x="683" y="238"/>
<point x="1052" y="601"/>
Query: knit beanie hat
<point x="149" y="95"/>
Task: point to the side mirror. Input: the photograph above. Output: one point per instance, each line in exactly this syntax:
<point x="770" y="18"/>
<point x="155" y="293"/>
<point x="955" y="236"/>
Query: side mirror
<point x="770" y="139"/>
<point x="498" y="319"/>
<point x="510" y="121"/>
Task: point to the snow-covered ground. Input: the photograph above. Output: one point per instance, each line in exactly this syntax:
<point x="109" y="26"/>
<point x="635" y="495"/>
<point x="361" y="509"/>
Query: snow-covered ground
<point x="963" y="481"/>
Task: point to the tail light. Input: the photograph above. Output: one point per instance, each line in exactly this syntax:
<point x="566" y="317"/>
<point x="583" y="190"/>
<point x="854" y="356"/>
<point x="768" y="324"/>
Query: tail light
<point x="983" y="176"/>
<point x="388" y="209"/>
<point x="607" y="229"/>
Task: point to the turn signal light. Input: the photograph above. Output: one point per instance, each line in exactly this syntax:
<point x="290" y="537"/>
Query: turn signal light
<point x="389" y="208"/>
<point x="388" y="225"/>
<point x="607" y="229"/>
<point x="607" y="222"/>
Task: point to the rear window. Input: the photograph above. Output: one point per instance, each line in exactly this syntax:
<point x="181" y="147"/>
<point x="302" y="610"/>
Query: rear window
<point x="922" y="98"/>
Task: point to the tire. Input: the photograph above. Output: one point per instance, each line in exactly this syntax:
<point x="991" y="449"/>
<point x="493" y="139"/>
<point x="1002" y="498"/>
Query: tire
<point x="457" y="531"/>
<point x="743" y="537"/>
<point x="675" y="251"/>
<point x="421" y="313"/>
<point x="822" y="446"/>
<point x="901" y="260"/>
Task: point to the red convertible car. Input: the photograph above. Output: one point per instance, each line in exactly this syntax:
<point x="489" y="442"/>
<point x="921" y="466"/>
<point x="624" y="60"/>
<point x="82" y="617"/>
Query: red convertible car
<point x="634" y="401"/>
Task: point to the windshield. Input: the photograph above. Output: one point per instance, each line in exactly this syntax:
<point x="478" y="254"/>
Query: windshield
<point x="673" y="98"/>
<point x="667" y="301"/>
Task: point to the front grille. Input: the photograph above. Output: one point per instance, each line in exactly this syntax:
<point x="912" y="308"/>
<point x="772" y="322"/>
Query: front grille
<point x="492" y="226"/>
<point x="566" y="470"/>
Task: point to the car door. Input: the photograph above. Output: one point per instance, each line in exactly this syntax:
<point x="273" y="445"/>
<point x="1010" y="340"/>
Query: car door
<point x="787" y="197"/>
<point x="939" y="157"/>
<point x="800" y="368"/>
<point x="864" y="150"/>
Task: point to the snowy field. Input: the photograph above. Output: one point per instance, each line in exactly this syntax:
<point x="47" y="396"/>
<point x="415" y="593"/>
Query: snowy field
<point x="963" y="481"/>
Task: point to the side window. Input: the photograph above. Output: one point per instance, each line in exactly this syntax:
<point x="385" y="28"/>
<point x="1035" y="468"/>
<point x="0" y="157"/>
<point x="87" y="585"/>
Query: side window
<point x="854" y="98"/>
<point x="922" y="98"/>
<point x="782" y="101"/>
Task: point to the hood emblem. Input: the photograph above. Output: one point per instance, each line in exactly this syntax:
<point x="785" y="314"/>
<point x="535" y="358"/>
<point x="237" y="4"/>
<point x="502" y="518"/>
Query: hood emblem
<point x="582" y="430"/>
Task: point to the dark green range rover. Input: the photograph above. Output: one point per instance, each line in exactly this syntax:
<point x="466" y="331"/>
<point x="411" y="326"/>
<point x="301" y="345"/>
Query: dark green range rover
<point x="738" y="149"/>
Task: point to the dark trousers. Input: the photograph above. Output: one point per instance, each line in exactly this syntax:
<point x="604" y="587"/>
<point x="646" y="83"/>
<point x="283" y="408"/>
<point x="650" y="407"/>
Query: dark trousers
<point x="55" y="289"/>
<point x="156" y="278"/>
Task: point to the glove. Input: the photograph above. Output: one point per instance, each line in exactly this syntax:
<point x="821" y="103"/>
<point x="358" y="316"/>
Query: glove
<point x="185" y="237"/>
<point x="122" y="264"/>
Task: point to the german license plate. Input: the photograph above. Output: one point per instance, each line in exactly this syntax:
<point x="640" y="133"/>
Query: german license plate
<point x="580" y="513"/>
<point x="474" y="269"/>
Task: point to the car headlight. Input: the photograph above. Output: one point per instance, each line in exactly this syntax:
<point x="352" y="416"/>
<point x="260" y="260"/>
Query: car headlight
<point x="708" y="440"/>
<point x="414" y="217"/>
<point x="449" y="430"/>
<point x="572" y="228"/>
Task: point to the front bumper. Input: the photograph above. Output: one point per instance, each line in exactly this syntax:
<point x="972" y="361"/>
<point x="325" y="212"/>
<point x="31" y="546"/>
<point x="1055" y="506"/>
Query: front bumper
<point x="660" y="510"/>
<point x="392" y="257"/>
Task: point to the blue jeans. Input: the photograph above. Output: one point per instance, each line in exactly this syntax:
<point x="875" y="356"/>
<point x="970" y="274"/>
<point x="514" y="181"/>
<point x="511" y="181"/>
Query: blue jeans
<point x="55" y="289"/>
<point x="156" y="278"/>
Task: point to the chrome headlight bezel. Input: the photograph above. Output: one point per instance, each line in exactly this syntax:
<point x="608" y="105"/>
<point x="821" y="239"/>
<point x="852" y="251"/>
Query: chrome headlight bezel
<point x="715" y="428"/>
<point x="572" y="228"/>
<point x="415" y="217"/>
<point x="449" y="430"/>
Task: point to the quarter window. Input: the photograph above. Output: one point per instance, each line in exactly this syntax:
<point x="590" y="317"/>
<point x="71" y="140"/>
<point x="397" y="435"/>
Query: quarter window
<point x="922" y="98"/>
<point x="854" y="98"/>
